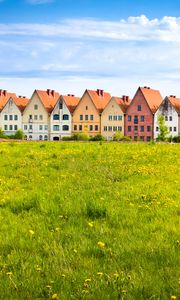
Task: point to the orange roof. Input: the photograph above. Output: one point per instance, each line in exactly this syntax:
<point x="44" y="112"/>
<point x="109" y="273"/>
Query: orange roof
<point x="71" y="102"/>
<point x="175" y="103"/>
<point x="49" y="98"/>
<point x="153" y="98"/>
<point x="99" y="98"/>
<point x="123" y="102"/>
<point x="4" y="97"/>
<point x="21" y="102"/>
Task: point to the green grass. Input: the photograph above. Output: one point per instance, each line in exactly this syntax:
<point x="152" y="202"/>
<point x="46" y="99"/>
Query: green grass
<point x="58" y="200"/>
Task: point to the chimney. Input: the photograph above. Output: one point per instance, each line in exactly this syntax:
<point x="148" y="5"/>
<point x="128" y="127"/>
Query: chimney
<point x="124" y="98"/>
<point x="172" y="96"/>
<point x="99" y="92"/>
<point x="5" y="93"/>
<point x="48" y="92"/>
<point x="1" y="92"/>
<point x="102" y="93"/>
<point x="127" y="98"/>
<point x="53" y="93"/>
<point x="147" y="87"/>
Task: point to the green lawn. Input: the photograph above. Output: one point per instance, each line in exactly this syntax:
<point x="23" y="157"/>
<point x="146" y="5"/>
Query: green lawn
<point x="89" y="221"/>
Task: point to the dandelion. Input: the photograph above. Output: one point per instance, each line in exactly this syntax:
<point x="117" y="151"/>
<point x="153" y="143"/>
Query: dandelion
<point x="54" y="296"/>
<point x="173" y="297"/>
<point x="57" y="229"/>
<point x="48" y="286"/>
<point x="116" y="275"/>
<point x="99" y="273"/>
<point x="91" y="224"/>
<point x="87" y="280"/>
<point x="31" y="232"/>
<point x="101" y="245"/>
<point x="63" y="275"/>
<point x="75" y="251"/>
<point x="38" y="269"/>
<point x="9" y="273"/>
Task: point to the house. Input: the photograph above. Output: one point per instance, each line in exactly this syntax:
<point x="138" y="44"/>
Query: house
<point x="139" y="120"/>
<point x="36" y="116"/>
<point x="87" y="115"/>
<point x="113" y="115"/>
<point x="170" y="109"/>
<point x="61" y="117"/>
<point x="11" y="114"/>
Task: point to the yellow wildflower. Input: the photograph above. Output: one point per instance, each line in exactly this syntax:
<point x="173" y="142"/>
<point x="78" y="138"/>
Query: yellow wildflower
<point x="101" y="245"/>
<point x="87" y="280"/>
<point x="173" y="297"/>
<point x="9" y="273"/>
<point x="48" y="286"/>
<point x="54" y="296"/>
<point x="99" y="273"/>
<point x="31" y="232"/>
<point x="91" y="224"/>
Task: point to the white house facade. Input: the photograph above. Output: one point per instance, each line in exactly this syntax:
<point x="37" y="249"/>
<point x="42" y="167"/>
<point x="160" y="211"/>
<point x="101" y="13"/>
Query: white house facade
<point x="169" y="111"/>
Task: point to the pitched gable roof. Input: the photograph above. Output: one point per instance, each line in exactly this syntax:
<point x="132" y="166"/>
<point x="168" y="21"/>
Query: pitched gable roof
<point x="123" y="102"/>
<point x="48" y="98"/>
<point x="175" y="102"/>
<point x="21" y="102"/>
<point x="153" y="98"/>
<point x="4" y="97"/>
<point x="71" y="102"/>
<point x="99" y="98"/>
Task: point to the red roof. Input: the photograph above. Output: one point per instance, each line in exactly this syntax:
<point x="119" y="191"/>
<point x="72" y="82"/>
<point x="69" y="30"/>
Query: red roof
<point x="4" y="97"/>
<point x="153" y="98"/>
<point x="123" y="102"/>
<point x="71" y="102"/>
<point x="21" y="102"/>
<point x="99" y="98"/>
<point x="49" y="98"/>
<point x="175" y="102"/>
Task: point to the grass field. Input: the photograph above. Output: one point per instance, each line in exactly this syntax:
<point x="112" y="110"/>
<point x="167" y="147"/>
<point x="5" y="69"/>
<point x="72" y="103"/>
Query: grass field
<point x="89" y="221"/>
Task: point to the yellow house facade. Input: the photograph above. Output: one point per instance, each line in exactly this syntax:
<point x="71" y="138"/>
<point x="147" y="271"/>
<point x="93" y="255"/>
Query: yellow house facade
<point x="112" y="118"/>
<point x="87" y="115"/>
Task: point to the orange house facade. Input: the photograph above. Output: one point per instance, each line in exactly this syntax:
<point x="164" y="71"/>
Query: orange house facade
<point x="87" y="115"/>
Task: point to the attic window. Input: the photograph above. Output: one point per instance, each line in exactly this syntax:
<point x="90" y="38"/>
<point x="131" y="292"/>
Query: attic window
<point x="139" y="107"/>
<point x="86" y="107"/>
<point x="35" y="106"/>
<point x="60" y="105"/>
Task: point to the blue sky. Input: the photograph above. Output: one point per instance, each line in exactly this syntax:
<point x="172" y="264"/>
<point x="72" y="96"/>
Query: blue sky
<point x="72" y="45"/>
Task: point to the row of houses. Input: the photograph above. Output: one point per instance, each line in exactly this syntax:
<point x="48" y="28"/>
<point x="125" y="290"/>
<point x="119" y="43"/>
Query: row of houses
<point x="48" y="115"/>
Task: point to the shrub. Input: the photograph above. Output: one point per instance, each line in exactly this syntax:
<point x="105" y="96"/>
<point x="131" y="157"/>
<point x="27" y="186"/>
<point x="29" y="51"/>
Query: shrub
<point x="176" y="139"/>
<point x="2" y="134"/>
<point x="97" y="137"/>
<point x="119" y="137"/>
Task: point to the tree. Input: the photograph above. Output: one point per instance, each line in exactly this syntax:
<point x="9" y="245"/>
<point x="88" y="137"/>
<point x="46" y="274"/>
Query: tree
<point x="163" y="129"/>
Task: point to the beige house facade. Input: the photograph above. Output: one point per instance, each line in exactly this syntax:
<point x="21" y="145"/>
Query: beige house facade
<point x="113" y="117"/>
<point x="87" y="115"/>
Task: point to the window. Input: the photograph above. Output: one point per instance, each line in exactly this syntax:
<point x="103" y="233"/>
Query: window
<point x="135" y="138"/>
<point x="40" y="137"/>
<point x="91" y="127"/>
<point x="166" y="118"/>
<point x="35" y="106"/>
<point x="96" y="127"/>
<point x="81" y="117"/>
<point x="60" y="105"/>
<point x="170" y="128"/>
<point x="46" y="127"/>
<point x="119" y="118"/>
<point x="75" y="127"/>
<point x="30" y="117"/>
<point x="170" y="118"/>
<point x="80" y="127"/>
<point x="5" y="127"/>
<point x="157" y="128"/>
<point x="142" y="118"/>
<point x="135" y="128"/>
<point x="10" y="127"/>
<point x="55" y="117"/>
<point x="174" y="128"/>
<point x="148" y="128"/>
<point x="114" y="128"/>
<point x="139" y="107"/>
<point x="56" y="127"/>
<point x="135" y="119"/>
<point x="30" y="137"/>
<point x="148" y="138"/>
<point x="15" y="127"/>
<point x="65" y="128"/>
<point x="142" y="138"/>
<point x="86" y="107"/>
<point x="119" y="128"/>
<point x="40" y="127"/>
<point x="5" y="117"/>
<point x="30" y="127"/>
<point x="41" y="117"/>
<point x="45" y="137"/>
<point x="109" y="128"/>
<point x="86" y="117"/>
<point x="66" y="117"/>
<point x="105" y="128"/>
<point x="91" y="117"/>
<point x="25" y="127"/>
<point x="142" y="128"/>
<point x="10" y="117"/>
<point x="110" y="118"/>
<point x="36" y="117"/>
<point x="115" y="118"/>
<point x="129" y="128"/>
<point x="129" y="118"/>
<point x="15" y="117"/>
